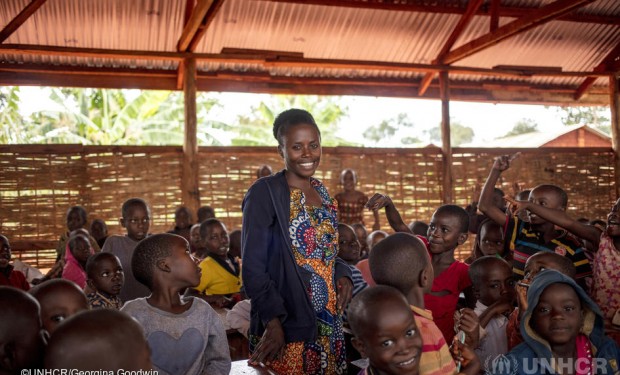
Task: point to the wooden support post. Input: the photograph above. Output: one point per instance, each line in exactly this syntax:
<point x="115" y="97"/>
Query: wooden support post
<point x="190" y="192"/>
<point x="446" y="147"/>
<point x="614" y="105"/>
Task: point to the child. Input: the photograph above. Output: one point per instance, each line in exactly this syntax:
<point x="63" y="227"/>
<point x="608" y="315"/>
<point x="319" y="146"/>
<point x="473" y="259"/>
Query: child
<point x="105" y="280"/>
<point x="235" y="245"/>
<point x="220" y="272"/>
<point x="524" y="239"/>
<point x="606" y="277"/>
<point x="349" y="251"/>
<point x="402" y="261"/>
<point x="76" y="219"/>
<point x="418" y="228"/>
<point x="385" y="332"/>
<point x="264" y="171"/>
<point x="476" y="219"/>
<point x="351" y="202"/>
<point x="8" y="275"/>
<point x="204" y="213"/>
<point x="75" y="266"/>
<point x="115" y="342"/>
<point x="563" y="331"/>
<point x="494" y="288"/>
<point x="136" y="219"/>
<point x="99" y="231"/>
<point x="21" y="336"/>
<point x="373" y="238"/>
<point x="536" y="263"/>
<point x="199" y="251"/>
<point x="362" y="236"/>
<point x="447" y="229"/>
<point x="185" y="335"/>
<point x="59" y="299"/>
<point x="489" y="241"/>
<point x="183" y="222"/>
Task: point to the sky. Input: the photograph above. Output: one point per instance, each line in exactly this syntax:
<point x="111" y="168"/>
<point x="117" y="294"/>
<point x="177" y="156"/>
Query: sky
<point x="488" y="120"/>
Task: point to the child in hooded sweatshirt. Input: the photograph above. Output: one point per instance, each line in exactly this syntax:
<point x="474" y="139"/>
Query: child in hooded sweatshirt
<point x="563" y="332"/>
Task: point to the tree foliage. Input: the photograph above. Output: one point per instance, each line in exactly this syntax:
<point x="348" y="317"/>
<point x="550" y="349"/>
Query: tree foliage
<point x="594" y="116"/>
<point x="459" y="134"/>
<point x="388" y="130"/>
<point x="523" y="126"/>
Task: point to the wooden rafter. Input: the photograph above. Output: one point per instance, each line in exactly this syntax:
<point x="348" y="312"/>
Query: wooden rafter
<point x="456" y="32"/>
<point x="267" y="59"/>
<point x="445" y="8"/>
<point x="193" y="25"/>
<point x="610" y="60"/>
<point x="20" y="19"/>
<point x="543" y="15"/>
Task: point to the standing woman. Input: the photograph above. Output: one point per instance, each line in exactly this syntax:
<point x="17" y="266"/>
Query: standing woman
<point x="290" y="272"/>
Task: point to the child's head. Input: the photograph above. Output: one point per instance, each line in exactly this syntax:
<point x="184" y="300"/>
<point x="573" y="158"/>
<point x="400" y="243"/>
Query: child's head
<point x="214" y="236"/>
<point x="59" y="299"/>
<point x="99" y="339"/>
<point x="76" y="218"/>
<point x="419" y="228"/>
<point x="105" y="274"/>
<point x="498" y="199"/>
<point x="348" y="179"/>
<point x="448" y="228"/>
<point x="235" y="243"/>
<point x="492" y="280"/>
<point x="204" y="213"/>
<point x="21" y="338"/>
<point x="558" y="308"/>
<point x="385" y="330"/>
<point x="402" y="261"/>
<point x="5" y="252"/>
<point x="549" y="196"/>
<point x="80" y="248"/>
<point x="489" y="240"/>
<point x="348" y="245"/>
<point x="136" y="218"/>
<point x="546" y="260"/>
<point x="264" y="171"/>
<point x="164" y="259"/>
<point x="98" y="229"/>
<point x="374" y="238"/>
<point x="182" y="217"/>
<point x="362" y="235"/>
<point x="613" y="221"/>
<point x="523" y="195"/>
<point x="194" y="236"/>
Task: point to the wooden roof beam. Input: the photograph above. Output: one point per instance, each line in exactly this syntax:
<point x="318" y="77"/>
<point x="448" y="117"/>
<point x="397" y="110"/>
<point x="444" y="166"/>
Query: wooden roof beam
<point x="611" y="60"/>
<point x="514" y="12"/>
<point x="19" y="20"/>
<point x="464" y="21"/>
<point x="193" y="24"/>
<point x="267" y="59"/>
<point x="545" y="14"/>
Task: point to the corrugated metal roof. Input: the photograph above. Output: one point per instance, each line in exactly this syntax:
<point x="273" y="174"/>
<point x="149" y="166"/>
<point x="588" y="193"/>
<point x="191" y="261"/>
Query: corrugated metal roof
<point x="342" y="33"/>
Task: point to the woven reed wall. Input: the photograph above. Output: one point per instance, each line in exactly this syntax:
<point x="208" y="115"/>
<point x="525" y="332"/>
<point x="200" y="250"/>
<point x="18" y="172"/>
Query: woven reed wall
<point x="38" y="183"/>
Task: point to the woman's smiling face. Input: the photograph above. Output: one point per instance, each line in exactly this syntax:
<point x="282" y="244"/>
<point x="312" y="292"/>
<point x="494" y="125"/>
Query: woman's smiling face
<point x="301" y="150"/>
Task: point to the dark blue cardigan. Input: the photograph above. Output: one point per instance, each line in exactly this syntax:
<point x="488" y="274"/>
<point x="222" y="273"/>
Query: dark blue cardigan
<point x="271" y="277"/>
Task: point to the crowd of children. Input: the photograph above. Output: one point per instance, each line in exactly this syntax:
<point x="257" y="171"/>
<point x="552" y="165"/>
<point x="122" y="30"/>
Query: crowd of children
<point x="529" y="299"/>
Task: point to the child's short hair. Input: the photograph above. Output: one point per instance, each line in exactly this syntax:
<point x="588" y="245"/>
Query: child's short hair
<point x="479" y="268"/>
<point x="565" y="265"/>
<point x="458" y="212"/>
<point x="557" y="191"/>
<point x="397" y="261"/>
<point x="363" y="306"/>
<point x="80" y="210"/>
<point x="148" y="252"/>
<point x="208" y="224"/>
<point x="94" y="260"/>
<point x="204" y="213"/>
<point x="290" y="118"/>
<point x="74" y="238"/>
<point x="132" y="202"/>
<point x="344" y="173"/>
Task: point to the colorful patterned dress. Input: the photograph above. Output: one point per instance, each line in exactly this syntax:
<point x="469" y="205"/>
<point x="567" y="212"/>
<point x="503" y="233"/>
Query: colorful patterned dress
<point x="313" y="233"/>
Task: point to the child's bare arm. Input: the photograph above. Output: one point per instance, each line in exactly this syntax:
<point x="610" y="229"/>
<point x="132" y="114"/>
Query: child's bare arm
<point x="463" y="354"/>
<point x="376" y="225"/>
<point x="561" y="219"/>
<point x="501" y="306"/>
<point x="378" y="201"/>
<point x="500" y="164"/>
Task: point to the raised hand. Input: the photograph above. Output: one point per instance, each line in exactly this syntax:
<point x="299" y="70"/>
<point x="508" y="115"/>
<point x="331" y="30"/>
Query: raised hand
<point x="502" y="162"/>
<point x="378" y="201"/>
